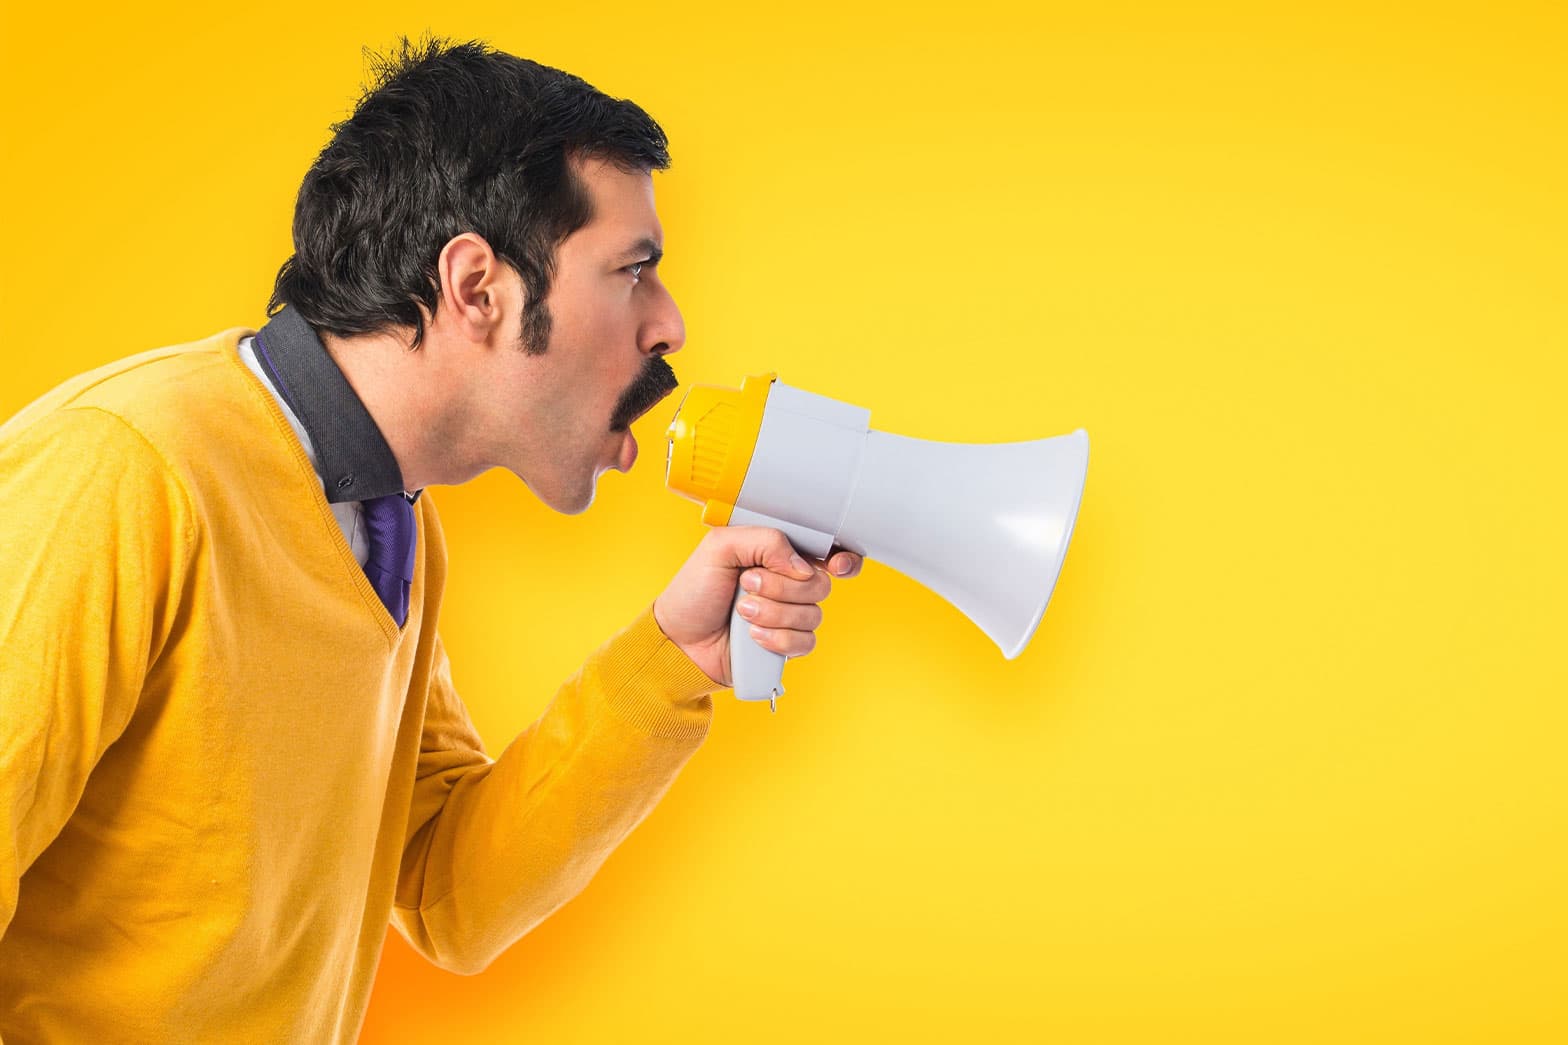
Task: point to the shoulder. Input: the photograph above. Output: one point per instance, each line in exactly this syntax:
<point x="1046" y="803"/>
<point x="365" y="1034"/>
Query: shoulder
<point x="189" y="403"/>
<point x="78" y="473"/>
<point x="180" y="424"/>
<point x="166" y="388"/>
<point x="146" y="390"/>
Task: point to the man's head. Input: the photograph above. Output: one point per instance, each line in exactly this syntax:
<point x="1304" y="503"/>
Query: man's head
<point x="450" y="139"/>
<point x="479" y="198"/>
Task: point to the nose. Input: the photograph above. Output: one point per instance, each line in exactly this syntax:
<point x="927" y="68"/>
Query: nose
<point x="665" y="331"/>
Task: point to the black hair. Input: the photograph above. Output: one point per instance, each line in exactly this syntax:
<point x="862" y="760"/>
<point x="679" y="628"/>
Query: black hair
<point x="451" y="138"/>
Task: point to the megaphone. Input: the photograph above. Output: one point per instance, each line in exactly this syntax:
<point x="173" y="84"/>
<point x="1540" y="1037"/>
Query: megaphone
<point x="986" y="526"/>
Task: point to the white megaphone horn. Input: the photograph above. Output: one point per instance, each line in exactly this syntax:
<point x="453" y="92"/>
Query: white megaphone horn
<point x="985" y="526"/>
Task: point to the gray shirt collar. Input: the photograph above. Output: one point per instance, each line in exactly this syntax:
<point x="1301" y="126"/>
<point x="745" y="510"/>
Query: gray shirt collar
<point x="356" y="462"/>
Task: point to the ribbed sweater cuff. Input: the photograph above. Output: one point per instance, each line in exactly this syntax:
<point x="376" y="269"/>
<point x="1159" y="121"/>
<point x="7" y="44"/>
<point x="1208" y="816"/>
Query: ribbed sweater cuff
<point x="651" y="684"/>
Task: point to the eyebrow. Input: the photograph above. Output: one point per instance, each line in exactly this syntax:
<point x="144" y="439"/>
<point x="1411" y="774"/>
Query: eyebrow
<point x="643" y="248"/>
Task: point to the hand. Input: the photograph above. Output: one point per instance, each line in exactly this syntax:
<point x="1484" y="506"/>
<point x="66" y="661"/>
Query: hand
<point x="694" y="611"/>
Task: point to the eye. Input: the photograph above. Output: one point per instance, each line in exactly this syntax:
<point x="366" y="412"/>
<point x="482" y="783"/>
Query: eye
<point x="635" y="268"/>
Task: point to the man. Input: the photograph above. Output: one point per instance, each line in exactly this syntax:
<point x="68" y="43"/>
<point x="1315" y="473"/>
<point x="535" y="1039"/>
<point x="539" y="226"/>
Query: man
<point x="229" y="745"/>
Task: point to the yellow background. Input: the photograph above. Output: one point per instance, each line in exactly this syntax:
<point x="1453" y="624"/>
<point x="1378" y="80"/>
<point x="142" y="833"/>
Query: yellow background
<point x="1286" y="761"/>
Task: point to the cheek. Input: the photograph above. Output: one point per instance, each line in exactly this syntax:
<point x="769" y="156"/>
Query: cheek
<point x="599" y="358"/>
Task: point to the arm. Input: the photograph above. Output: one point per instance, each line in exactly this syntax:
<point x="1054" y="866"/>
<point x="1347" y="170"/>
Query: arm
<point x="495" y="848"/>
<point x="94" y="540"/>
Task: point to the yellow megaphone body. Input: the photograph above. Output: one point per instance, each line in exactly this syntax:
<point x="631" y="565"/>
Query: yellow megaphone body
<point x="986" y="526"/>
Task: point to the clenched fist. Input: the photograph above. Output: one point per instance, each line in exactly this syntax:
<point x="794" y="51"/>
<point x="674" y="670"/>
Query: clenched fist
<point x="782" y="593"/>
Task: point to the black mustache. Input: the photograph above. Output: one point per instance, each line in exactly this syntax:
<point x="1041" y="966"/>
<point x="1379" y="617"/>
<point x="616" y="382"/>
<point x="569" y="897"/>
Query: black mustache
<point x="656" y="381"/>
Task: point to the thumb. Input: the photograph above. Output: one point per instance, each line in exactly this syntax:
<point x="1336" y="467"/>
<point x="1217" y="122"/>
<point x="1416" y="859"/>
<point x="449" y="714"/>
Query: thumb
<point x="740" y="547"/>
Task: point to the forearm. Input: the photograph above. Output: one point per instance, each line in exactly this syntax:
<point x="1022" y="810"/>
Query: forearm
<point x="517" y="839"/>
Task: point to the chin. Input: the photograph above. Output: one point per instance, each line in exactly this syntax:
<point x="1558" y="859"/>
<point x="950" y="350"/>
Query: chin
<point x="575" y="507"/>
<point x="576" y="500"/>
<point x="571" y="501"/>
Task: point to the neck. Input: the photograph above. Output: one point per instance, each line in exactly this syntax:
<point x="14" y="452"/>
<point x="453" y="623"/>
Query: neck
<point x="408" y="393"/>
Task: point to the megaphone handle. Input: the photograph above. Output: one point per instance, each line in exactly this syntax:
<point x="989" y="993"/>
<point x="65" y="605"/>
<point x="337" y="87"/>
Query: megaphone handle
<point x="756" y="673"/>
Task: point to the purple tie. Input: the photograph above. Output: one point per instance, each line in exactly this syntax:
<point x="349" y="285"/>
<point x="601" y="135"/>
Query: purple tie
<point x="389" y="522"/>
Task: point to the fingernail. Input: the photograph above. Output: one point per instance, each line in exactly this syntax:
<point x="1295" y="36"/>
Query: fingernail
<point x="747" y="608"/>
<point x="750" y="581"/>
<point x="843" y="567"/>
<point x="801" y="566"/>
<point x="759" y="633"/>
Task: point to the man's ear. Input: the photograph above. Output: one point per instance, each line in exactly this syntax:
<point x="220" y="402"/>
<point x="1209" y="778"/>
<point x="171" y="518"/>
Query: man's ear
<point x="480" y="293"/>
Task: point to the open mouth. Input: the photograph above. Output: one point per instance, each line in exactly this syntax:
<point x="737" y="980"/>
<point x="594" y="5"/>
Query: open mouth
<point x="628" y="454"/>
<point x="651" y="388"/>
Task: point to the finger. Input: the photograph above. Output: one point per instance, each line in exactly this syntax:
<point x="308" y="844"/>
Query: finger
<point x="789" y="643"/>
<point x="787" y="615"/>
<point x="844" y="564"/>
<point x="744" y="546"/>
<point x="771" y="585"/>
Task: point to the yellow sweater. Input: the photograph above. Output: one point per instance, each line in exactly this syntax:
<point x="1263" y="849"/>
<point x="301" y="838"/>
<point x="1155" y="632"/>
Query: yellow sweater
<point x="223" y="767"/>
